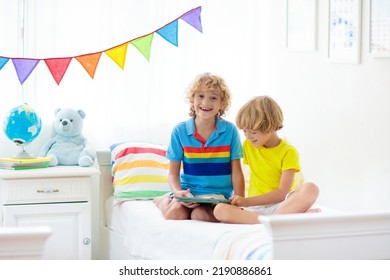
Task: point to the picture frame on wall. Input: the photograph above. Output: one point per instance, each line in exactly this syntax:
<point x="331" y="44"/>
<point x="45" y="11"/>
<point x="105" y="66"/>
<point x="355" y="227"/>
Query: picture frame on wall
<point x="301" y="30"/>
<point x="345" y="31"/>
<point x="380" y="28"/>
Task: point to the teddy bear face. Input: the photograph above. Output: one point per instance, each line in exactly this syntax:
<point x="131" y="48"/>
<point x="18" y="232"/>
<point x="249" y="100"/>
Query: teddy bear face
<point x="69" y="122"/>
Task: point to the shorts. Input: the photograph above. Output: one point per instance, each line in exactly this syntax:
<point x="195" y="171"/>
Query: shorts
<point x="266" y="209"/>
<point x="263" y="209"/>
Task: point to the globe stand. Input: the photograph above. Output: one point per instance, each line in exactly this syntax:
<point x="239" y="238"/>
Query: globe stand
<point x="23" y="154"/>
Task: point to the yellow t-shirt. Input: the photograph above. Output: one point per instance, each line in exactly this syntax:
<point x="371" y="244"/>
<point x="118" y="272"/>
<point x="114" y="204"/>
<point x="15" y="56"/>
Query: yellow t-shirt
<point x="267" y="165"/>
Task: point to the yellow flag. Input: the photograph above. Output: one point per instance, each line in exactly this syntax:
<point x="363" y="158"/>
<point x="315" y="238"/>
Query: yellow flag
<point x="118" y="54"/>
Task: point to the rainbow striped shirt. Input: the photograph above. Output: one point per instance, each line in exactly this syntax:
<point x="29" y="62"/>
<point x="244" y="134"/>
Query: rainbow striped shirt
<point x="206" y="166"/>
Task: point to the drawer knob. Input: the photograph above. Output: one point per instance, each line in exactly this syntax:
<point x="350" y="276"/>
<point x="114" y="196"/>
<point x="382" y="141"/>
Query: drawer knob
<point x="48" y="191"/>
<point x="86" y="241"/>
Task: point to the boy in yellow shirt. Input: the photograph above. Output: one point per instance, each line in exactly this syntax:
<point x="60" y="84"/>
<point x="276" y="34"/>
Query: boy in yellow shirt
<point x="273" y="163"/>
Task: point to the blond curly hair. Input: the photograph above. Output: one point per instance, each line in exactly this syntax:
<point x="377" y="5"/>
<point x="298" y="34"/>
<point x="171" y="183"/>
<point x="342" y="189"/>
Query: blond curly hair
<point x="211" y="82"/>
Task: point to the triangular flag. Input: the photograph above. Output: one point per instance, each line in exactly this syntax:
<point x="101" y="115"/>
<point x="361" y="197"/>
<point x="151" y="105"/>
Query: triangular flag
<point x="193" y="18"/>
<point x="118" y="54"/>
<point x="143" y="44"/>
<point x="3" y="61"/>
<point x="24" y="67"/>
<point x="89" y="62"/>
<point x="169" y="32"/>
<point x="58" y="67"/>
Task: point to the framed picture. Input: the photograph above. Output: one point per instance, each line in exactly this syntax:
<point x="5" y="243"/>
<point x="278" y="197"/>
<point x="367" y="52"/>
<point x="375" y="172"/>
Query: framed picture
<point x="344" y="31"/>
<point x="301" y="25"/>
<point x="380" y="28"/>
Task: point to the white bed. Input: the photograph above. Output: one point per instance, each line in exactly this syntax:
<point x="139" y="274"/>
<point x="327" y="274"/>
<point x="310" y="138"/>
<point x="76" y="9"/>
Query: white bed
<point x="137" y="230"/>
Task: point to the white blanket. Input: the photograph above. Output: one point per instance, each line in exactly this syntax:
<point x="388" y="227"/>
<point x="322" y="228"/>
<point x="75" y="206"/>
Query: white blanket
<point x="149" y="236"/>
<point x="244" y="245"/>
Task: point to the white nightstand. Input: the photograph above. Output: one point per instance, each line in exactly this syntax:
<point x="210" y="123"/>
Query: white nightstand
<point x="59" y="197"/>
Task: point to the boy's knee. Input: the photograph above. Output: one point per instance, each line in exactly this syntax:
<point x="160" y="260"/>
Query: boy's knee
<point x="309" y="191"/>
<point x="161" y="200"/>
<point x="220" y="212"/>
<point x="312" y="189"/>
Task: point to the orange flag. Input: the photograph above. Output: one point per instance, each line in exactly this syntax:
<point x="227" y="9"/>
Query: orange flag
<point x="118" y="54"/>
<point x="58" y="67"/>
<point x="89" y="62"/>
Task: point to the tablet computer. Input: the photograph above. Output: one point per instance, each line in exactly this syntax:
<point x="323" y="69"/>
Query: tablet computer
<point x="201" y="199"/>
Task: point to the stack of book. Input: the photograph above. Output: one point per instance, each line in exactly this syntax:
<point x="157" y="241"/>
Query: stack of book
<point x="24" y="163"/>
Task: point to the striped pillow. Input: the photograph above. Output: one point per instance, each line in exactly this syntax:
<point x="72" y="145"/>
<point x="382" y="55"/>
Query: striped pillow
<point x="140" y="170"/>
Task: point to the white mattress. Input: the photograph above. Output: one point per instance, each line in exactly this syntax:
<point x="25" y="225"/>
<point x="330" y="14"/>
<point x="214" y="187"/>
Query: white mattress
<point x="148" y="235"/>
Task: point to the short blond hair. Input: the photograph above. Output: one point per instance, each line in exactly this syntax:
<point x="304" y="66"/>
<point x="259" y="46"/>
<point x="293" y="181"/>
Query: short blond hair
<point x="212" y="82"/>
<point x="261" y="113"/>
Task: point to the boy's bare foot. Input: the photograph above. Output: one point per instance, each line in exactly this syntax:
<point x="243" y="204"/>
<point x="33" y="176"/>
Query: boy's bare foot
<point x="159" y="199"/>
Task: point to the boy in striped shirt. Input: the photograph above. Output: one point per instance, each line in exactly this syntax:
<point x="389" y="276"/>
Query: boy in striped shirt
<point x="205" y="153"/>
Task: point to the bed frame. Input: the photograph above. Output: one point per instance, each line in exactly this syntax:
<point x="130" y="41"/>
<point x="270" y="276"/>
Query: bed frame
<point x="23" y="243"/>
<point x="317" y="236"/>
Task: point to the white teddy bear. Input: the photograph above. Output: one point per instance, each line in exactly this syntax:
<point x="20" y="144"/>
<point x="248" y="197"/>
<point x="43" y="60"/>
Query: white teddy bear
<point x="68" y="146"/>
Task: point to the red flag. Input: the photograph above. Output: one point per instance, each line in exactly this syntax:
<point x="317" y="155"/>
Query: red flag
<point x="58" y="67"/>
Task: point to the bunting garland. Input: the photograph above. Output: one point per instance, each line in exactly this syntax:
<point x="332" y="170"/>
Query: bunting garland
<point x="58" y="66"/>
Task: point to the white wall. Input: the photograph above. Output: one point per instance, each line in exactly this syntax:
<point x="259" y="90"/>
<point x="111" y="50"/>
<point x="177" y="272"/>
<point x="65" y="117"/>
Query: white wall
<point x="335" y="114"/>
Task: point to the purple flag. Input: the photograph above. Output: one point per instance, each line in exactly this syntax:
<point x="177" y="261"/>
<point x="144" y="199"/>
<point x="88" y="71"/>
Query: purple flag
<point x="169" y="33"/>
<point x="193" y="18"/>
<point x="24" y="67"/>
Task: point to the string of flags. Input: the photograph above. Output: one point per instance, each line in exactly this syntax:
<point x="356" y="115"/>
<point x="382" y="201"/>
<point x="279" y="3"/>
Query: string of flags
<point x="58" y="65"/>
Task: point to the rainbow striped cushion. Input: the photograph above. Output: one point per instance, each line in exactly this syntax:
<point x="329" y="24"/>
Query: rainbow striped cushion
<point x="140" y="170"/>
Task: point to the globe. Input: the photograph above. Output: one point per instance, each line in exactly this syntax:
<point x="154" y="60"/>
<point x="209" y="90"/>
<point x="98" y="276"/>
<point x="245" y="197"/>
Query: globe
<point x="22" y="125"/>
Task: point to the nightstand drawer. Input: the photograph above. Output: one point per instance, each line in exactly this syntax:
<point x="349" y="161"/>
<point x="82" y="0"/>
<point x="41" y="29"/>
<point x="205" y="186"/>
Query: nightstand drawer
<point x="46" y="190"/>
